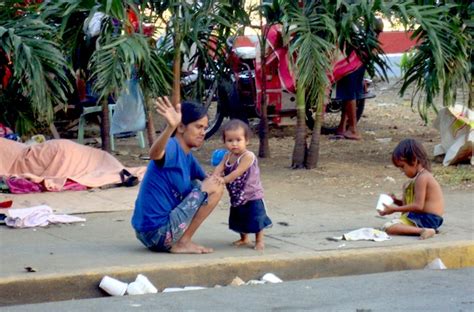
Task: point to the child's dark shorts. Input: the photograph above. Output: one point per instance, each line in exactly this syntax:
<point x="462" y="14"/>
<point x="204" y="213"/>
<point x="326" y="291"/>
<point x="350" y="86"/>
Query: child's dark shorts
<point x="425" y="220"/>
<point x="250" y="217"/>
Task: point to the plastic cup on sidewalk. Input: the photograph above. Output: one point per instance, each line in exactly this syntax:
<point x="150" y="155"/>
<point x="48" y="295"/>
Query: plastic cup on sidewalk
<point x="113" y="286"/>
<point x="383" y="199"/>
<point x="135" y="288"/>
<point x="146" y="285"/>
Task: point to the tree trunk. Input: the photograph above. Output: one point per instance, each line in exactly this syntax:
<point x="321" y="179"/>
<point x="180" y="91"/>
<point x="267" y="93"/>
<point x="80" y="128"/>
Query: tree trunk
<point x="105" y="125"/>
<point x="313" y="153"/>
<point x="150" y="126"/>
<point x="176" y="97"/>
<point x="471" y="95"/>
<point x="264" y="148"/>
<point x="300" y="149"/>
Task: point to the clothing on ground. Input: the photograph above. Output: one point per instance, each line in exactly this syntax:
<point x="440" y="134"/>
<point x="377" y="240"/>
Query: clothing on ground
<point x="36" y="216"/>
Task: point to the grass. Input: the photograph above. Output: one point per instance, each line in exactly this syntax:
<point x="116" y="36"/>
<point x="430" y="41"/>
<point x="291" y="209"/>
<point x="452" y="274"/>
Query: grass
<point x="457" y="176"/>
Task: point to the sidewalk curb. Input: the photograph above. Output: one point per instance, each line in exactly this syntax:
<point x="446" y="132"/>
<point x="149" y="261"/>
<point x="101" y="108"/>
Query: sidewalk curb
<point x="34" y="288"/>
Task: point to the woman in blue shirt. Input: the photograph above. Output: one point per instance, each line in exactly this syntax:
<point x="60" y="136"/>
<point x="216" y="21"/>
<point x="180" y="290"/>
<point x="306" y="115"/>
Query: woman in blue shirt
<point x="171" y="203"/>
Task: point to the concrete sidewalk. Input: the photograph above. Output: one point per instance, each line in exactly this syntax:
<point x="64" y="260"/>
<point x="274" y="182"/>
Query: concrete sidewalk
<point x="70" y="260"/>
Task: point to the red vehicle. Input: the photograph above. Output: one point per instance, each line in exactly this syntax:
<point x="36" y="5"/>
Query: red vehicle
<point x="238" y="94"/>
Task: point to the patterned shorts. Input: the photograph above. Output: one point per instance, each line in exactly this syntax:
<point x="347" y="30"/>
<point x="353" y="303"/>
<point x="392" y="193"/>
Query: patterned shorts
<point x="163" y="238"/>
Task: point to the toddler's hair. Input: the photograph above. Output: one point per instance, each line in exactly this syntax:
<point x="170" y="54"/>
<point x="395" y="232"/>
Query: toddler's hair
<point x="235" y="124"/>
<point x="410" y="150"/>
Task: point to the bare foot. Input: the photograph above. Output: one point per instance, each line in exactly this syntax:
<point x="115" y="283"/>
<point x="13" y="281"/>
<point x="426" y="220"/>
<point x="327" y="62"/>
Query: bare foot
<point x="241" y="242"/>
<point x="190" y="248"/>
<point x="352" y="136"/>
<point x="259" y="246"/>
<point x="427" y="233"/>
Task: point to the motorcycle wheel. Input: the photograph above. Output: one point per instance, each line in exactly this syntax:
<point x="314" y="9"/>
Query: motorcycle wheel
<point x="214" y="109"/>
<point x="332" y="116"/>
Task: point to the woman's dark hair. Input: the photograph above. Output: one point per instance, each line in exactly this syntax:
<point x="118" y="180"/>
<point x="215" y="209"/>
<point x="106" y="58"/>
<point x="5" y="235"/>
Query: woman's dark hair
<point x="235" y="124"/>
<point x="192" y="112"/>
<point x="410" y="151"/>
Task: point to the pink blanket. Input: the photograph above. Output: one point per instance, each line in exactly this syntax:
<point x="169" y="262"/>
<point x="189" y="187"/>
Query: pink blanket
<point x="54" y="162"/>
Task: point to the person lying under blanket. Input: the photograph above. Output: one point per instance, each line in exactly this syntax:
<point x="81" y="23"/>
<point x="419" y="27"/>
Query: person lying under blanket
<point x="55" y="163"/>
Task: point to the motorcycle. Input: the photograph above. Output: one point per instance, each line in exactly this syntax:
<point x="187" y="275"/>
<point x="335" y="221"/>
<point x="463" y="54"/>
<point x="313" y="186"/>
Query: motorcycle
<point x="236" y="93"/>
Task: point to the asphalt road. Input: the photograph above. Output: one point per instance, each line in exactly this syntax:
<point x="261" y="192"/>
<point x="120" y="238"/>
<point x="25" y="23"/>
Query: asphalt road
<point x="417" y="290"/>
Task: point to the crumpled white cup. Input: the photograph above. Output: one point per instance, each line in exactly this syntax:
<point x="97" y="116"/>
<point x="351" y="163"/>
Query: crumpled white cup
<point x="141" y="286"/>
<point x="113" y="286"/>
<point x="271" y="278"/>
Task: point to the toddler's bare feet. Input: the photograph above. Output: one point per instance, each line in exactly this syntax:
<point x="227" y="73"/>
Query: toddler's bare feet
<point x="259" y="246"/>
<point x="241" y="242"/>
<point x="427" y="233"/>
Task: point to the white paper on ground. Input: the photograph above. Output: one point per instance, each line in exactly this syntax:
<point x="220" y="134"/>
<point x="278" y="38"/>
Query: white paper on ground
<point x="370" y="234"/>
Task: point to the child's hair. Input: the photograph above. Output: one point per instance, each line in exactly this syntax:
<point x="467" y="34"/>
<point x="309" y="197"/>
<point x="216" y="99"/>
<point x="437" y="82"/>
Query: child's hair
<point x="235" y="124"/>
<point x="410" y="150"/>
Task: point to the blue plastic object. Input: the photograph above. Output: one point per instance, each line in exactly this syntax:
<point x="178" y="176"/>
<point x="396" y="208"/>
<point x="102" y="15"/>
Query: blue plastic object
<point x="12" y="136"/>
<point x="217" y="156"/>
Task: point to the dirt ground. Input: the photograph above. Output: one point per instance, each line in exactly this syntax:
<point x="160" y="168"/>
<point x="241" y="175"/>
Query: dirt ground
<point x="345" y="166"/>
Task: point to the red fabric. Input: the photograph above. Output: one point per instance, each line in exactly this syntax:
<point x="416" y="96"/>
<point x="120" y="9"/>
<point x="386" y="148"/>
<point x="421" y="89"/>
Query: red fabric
<point x="345" y="66"/>
<point x="6" y="204"/>
<point x="22" y="186"/>
<point x="278" y="73"/>
<point x="396" y="41"/>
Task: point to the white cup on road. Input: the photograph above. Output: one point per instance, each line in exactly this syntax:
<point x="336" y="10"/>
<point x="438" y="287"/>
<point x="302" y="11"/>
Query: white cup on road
<point x="271" y="278"/>
<point x="383" y="199"/>
<point x="113" y="286"/>
<point x="146" y="285"/>
<point x="135" y="288"/>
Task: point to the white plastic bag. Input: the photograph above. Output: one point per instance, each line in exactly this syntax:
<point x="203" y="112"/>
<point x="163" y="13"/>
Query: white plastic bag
<point x="455" y="125"/>
<point x="129" y="113"/>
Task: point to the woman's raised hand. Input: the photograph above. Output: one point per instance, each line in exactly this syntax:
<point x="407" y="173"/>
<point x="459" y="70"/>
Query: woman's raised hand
<point x="171" y="113"/>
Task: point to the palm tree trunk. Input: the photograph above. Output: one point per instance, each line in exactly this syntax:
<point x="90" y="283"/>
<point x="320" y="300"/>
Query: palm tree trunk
<point x="313" y="153"/>
<point x="105" y="125"/>
<point x="176" y="97"/>
<point x="471" y="95"/>
<point x="150" y="126"/>
<point x="264" y="148"/>
<point x="300" y="149"/>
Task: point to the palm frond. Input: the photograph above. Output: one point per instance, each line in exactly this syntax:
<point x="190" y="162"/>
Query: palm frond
<point x="313" y="37"/>
<point x="39" y="66"/>
<point x="440" y="62"/>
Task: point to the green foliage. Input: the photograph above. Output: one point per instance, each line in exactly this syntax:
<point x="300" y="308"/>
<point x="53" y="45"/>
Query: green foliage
<point x="37" y="63"/>
<point x="312" y="33"/>
<point x="441" y="61"/>
<point x="199" y="30"/>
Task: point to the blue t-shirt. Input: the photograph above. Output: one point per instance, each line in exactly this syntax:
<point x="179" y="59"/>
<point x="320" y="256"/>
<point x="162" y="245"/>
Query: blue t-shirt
<point x="163" y="188"/>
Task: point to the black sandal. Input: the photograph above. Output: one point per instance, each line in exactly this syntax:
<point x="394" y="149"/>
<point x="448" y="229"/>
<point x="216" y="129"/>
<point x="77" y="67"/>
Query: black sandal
<point x="127" y="178"/>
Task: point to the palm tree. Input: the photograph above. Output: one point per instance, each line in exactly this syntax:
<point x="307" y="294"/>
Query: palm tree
<point x="122" y="51"/>
<point x="442" y="60"/>
<point x="312" y="32"/>
<point x="198" y="31"/>
<point x="315" y="28"/>
<point x="272" y="13"/>
<point x="39" y="72"/>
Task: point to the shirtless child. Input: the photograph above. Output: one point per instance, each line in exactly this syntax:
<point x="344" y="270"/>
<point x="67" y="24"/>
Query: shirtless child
<point x="422" y="206"/>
